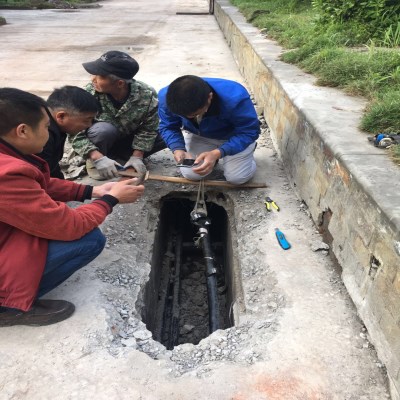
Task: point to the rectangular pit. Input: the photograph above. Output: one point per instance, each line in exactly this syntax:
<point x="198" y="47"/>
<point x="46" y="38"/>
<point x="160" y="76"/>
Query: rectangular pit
<point x="176" y="303"/>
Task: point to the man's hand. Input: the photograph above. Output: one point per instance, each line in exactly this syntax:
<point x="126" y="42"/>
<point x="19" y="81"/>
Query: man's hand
<point x="106" y="167"/>
<point x="125" y="191"/>
<point x="95" y="155"/>
<point x="137" y="163"/>
<point x="206" y="162"/>
<point x="103" y="189"/>
<point x="180" y="155"/>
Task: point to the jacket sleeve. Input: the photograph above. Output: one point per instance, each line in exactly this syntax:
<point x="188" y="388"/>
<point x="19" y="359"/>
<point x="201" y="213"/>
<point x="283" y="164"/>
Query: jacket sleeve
<point x="81" y="144"/>
<point x="147" y="132"/>
<point x="170" y="125"/>
<point x="36" y="213"/>
<point x="246" y="128"/>
<point x="63" y="190"/>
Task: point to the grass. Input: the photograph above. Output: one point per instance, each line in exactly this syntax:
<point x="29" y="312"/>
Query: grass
<point x="395" y="153"/>
<point x="347" y="56"/>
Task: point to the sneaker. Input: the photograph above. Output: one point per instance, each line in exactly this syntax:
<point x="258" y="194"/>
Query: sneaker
<point x="43" y="312"/>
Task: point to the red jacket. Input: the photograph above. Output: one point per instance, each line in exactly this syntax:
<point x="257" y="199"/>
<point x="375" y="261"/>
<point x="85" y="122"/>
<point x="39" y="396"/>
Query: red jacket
<point x="32" y="212"/>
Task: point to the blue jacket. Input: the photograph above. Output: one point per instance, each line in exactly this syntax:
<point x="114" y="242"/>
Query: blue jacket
<point x="231" y="117"/>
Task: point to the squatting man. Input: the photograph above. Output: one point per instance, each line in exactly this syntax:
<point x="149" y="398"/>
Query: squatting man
<point x="126" y="129"/>
<point x="71" y="110"/>
<point x="42" y="240"/>
<point x="211" y="120"/>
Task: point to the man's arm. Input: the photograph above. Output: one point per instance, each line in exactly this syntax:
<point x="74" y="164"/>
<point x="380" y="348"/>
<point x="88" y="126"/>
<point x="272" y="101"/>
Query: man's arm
<point x="170" y="125"/>
<point x="64" y="190"/>
<point x="146" y="133"/>
<point x="82" y="145"/>
<point x="36" y="213"/>
<point x="246" y="128"/>
<point x="34" y="210"/>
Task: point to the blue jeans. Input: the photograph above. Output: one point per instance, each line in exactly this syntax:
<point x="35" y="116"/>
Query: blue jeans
<point x="64" y="258"/>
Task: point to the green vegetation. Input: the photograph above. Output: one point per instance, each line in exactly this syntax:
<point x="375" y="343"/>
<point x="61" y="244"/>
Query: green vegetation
<point x="2" y="21"/>
<point x="351" y="45"/>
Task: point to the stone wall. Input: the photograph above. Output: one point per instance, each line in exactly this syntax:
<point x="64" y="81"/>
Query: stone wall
<point x="351" y="188"/>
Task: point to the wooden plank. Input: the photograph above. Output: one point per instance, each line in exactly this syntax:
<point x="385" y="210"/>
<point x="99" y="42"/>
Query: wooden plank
<point x="175" y="179"/>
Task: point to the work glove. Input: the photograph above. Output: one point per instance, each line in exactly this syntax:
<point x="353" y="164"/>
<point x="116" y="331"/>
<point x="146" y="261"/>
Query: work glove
<point x="137" y="163"/>
<point x="106" y="167"/>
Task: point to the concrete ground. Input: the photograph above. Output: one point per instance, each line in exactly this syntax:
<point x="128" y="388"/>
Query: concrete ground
<point x="296" y="333"/>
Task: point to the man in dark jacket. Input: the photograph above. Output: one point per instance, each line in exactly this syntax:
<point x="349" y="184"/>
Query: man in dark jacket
<point x="71" y="110"/>
<point x="210" y="119"/>
<point x="42" y="240"/>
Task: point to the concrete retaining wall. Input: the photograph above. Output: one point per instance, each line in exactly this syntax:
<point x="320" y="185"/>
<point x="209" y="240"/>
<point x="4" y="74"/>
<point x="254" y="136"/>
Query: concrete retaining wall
<point x="352" y="189"/>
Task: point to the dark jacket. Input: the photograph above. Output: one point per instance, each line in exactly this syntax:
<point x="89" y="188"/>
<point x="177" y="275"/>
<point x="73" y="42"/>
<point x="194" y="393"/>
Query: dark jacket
<point x="54" y="149"/>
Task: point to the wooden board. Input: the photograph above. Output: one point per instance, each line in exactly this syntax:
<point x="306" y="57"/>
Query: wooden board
<point x="174" y="179"/>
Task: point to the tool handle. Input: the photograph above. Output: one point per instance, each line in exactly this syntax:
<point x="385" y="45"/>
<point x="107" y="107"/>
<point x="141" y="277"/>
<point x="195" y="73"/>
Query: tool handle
<point x="282" y="240"/>
<point x="269" y="203"/>
<point x="276" y="206"/>
<point x="141" y="178"/>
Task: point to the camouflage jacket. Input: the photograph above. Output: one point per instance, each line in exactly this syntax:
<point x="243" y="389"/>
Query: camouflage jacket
<point x="138" y="117"/>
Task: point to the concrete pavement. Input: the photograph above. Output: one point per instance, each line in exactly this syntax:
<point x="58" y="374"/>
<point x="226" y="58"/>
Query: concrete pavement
<point x="296" y="333"/>
<point x="45" y="49"/>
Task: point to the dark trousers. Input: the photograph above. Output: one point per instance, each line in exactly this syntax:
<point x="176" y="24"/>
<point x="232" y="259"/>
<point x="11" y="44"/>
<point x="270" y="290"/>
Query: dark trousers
<point x="116" y="146"/>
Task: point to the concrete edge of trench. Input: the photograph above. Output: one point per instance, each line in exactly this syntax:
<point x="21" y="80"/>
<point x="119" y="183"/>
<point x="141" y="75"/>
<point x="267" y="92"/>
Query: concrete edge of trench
<point x="352" y="189"/>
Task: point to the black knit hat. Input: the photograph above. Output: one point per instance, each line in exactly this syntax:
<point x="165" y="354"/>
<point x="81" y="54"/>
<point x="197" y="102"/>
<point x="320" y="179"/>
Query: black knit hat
<point x="115" y="63"/>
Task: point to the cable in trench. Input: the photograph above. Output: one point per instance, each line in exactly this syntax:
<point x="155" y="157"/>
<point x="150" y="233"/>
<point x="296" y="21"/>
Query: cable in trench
<point x="199" y="218"/>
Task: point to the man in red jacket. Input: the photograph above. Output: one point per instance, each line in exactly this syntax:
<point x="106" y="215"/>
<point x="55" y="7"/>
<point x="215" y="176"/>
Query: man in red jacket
<point x="42" y="240"/>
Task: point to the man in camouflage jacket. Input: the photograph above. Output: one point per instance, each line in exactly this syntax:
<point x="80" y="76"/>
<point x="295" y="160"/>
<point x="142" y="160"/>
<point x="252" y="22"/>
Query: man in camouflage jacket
<point x="127" y="126"/>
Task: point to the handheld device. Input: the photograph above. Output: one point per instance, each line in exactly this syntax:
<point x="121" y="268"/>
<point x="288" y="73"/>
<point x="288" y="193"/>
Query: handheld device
<point x="187" y="162"/>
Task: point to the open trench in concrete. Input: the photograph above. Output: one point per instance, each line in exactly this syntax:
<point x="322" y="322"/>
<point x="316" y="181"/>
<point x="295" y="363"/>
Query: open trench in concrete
<point x="285" y="311"/>
<point x="184" y="303"/>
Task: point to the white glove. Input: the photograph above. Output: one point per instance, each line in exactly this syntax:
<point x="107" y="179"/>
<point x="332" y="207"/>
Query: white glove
<point x="106" y="167"/>
<point x="137" y="163"/>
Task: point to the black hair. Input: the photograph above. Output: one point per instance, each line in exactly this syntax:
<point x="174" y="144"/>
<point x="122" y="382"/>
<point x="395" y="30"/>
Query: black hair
<point x="19" y="107"/>
<point x="73" y="99"/>
<point x="187" y="94"/>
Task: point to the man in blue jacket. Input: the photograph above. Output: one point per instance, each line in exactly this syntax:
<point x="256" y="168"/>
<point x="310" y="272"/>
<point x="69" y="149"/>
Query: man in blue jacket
<point x="210" y="119"/>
